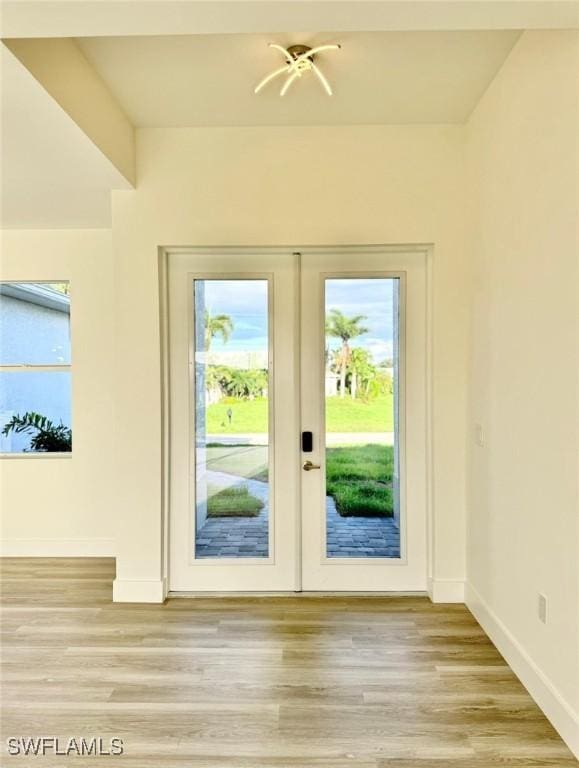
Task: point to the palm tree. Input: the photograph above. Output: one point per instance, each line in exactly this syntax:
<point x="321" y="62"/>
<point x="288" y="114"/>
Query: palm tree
<point x="217" y="325"/>
<point x="345" y="328"/>
<point x="241" y="383"/>
<point x="257" y="383"/>
<point x="217" y="380"/>
<point x="247" y="383"/>
<point x="361" y="369"/>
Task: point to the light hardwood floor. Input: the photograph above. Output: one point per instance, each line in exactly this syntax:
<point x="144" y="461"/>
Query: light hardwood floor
<point x="254" y="683"/>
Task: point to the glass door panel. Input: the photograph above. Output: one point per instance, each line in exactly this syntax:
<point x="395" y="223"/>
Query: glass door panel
<point x="232" y="497"/>
<point x="361" y="417"/>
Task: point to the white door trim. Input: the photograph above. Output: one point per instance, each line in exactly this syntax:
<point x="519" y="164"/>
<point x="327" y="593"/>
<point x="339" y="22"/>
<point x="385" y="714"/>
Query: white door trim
<point x="164" y="253"/>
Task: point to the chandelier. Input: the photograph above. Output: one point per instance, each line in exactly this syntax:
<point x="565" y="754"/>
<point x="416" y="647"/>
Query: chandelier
<point x="299" y="60"/>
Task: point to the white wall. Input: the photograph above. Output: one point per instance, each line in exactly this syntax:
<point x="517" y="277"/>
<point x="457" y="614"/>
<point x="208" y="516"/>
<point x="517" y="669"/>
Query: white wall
<point x="277" y="186"/>
<point x="63" y="506"/>
<point x="523" y="522"/>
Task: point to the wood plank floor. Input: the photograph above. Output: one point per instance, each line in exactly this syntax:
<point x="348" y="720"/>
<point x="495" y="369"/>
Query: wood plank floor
<point x="254" y="683"/>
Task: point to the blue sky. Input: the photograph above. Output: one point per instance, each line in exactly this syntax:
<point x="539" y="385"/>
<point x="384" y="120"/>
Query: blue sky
<point x="245" y="301"/>
<point x="372" y="298"/>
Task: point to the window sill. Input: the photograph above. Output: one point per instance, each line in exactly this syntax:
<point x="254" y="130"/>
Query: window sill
<point x="37" y="455"/>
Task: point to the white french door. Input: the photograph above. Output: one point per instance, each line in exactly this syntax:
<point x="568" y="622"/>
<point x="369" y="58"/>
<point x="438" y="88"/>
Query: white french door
<point x="298" y="420"/>
<point x="369" y="444"/>
<point x="234" y="468"/>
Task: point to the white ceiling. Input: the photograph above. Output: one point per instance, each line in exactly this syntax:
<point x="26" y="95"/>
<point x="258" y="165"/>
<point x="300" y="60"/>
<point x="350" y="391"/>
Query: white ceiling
<point x="400" y="62"/>
<point x="85" y="18"/>
<point x="52" y="175"/>
<point x="378" y="77"/>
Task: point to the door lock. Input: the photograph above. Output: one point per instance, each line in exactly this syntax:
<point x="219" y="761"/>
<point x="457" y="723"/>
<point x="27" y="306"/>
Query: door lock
<point x="308" y="466"/>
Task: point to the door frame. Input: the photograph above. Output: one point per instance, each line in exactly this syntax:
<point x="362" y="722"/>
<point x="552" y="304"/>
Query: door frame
<point x="277" y="569"/>
<point x="165" y="252"/>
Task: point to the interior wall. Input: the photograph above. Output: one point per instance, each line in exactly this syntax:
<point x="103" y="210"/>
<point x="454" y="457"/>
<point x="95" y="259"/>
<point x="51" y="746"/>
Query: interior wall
<point x="285" y="186"/>
<point x="523" y="501"/>
<point x="63" y="506"/>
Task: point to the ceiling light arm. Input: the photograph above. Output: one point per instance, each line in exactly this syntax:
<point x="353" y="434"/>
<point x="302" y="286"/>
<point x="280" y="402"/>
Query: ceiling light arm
<point x="270" y="77"/>
<point x="283" y="50"/>
<point x="289" y="82"/>
<point x="321" y="77"/>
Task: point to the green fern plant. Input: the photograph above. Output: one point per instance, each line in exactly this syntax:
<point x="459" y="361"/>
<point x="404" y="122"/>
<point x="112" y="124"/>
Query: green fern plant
<point x="46" y="436"/>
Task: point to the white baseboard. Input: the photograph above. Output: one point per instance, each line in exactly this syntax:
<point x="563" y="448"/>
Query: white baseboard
<point x="558" y="711"/>
<point x="37" y="547"/>
<point x="139" y="591"/>
<point x="446" y="590"/>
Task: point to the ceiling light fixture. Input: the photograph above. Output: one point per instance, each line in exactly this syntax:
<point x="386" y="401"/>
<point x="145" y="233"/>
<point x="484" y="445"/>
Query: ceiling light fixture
<point x="299" y="60"/>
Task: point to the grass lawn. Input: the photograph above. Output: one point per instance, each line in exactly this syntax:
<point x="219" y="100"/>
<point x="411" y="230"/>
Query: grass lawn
<point x="342" y="415"/>
<point x="354" y="463"/>
<point x="362" y="499"/>
<point x="347" y="415"/>
<point x="247" y="416"/>
<point x="359" y="479"/>
<point x="232" y="502"/>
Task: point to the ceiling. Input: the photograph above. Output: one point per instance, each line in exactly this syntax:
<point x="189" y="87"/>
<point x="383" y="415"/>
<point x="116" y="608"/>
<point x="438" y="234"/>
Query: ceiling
<point x="195" y="62"/>
<point x="378" y="77"/>
<point x="86" y="18"/>
<point x="52" y="174"/>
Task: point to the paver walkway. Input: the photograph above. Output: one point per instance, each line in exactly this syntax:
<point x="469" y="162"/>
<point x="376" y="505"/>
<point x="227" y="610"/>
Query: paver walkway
<point x="235" y="536"/>
<point x="360" y="536"/>
<point x="248" y="536"/>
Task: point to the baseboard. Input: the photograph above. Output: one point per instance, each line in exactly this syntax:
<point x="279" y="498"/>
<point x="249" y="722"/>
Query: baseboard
<point x="184" y="594"/>
<point x="37" y="547"/>
<point x="558" y="711"/>
<point x="139" y="590"/>
<point x="446" y="590"/>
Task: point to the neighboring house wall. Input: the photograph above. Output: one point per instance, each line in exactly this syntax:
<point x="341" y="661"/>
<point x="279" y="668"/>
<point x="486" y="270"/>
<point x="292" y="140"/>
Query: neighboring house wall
<point x="523" y="518"/>
<point x="57" y="506"/>
<point x="331" y="384"/>
<point x="238" y="359"/>
<point x="31" y="333"/>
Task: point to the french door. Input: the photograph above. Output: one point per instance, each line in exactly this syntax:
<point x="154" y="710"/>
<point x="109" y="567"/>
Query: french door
<point x="298" y="420"/>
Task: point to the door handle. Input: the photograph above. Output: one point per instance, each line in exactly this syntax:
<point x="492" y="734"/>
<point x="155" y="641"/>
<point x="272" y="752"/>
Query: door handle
<point x="308" y="466"/>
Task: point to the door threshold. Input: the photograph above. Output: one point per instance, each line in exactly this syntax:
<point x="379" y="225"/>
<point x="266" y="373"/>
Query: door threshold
<point x="305" y="594"/>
